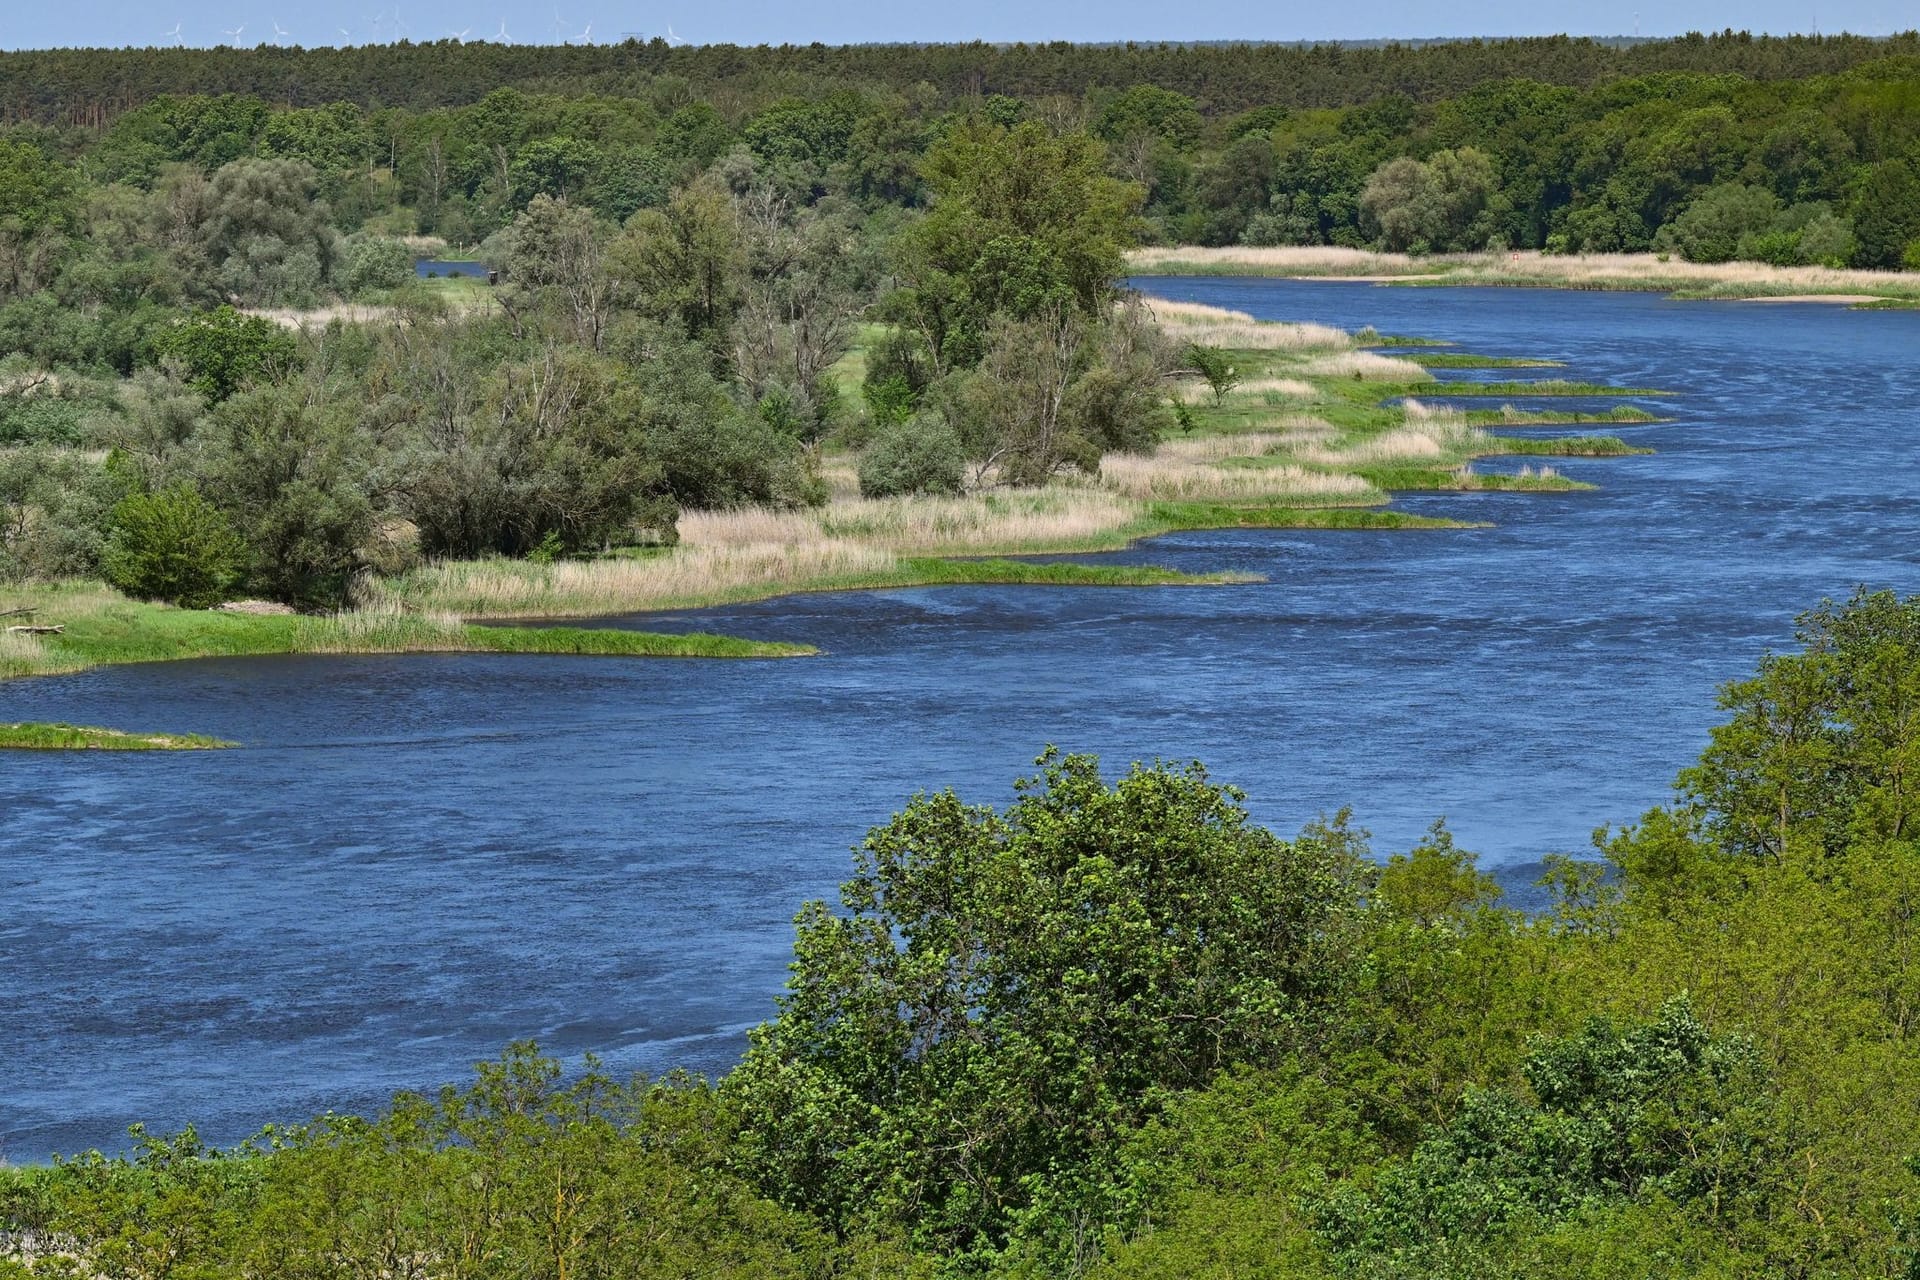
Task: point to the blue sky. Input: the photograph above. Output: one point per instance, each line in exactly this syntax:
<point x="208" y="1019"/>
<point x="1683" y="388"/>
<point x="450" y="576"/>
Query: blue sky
<point x="35" y="23"/>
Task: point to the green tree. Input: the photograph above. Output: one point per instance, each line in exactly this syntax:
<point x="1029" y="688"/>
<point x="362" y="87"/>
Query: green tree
<point x="1449" y="202"/>
<point x="1655" y="1114"/>
<point x="268" y="232"/>
<point x="38" y="214"/>
<point x="1712" y="227"/>
<point x="1822" y="747"/>
<point x="174" y="546"/>
<point x="1004" y="995"/>
<point x="222" y="351"/>
<point x="1023" y="222"/>
<point x="292" y="474"/>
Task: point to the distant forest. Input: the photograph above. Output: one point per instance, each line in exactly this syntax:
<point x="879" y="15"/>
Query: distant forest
<point x="92" y="86"/>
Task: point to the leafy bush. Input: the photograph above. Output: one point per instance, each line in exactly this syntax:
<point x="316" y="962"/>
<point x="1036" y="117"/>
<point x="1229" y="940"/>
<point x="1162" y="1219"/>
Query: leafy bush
<point x="173" y="546"/>
<point x="54" y="510"/>
<point x="375" y="263"/>
<point x="1656" y="1113"/>
<point x="1216" y="366"/>
<point x="221" y="351"/>
<point x="1711" y="228"/>
<point x="922" y="455"/>
<point x="1003" y="996"/>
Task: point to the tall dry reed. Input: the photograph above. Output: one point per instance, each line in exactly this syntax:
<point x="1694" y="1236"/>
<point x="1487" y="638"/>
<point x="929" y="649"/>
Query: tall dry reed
<point x="1219" y="327"/>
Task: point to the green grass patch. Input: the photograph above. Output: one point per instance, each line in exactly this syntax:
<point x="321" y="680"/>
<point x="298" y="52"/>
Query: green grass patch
<point x="1568" y="447"/>
<point x="73" y="737"/>
<point x="1412" y="479"/>
<point x="1619" y="415"/>
<point x="100" y="627"/>
<point x="1463" y="360"/>
<point x="1544" y="387"/>
<point x="599" y="642"/>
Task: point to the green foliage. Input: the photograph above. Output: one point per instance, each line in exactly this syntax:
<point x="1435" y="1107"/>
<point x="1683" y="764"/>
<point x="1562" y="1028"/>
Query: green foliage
<point x="375" y="264"/>
<point x="1024" y="223"/>
<point x="292" y="476"/>
<point x="1713" y="227"/>
<point x="54" y="508"/>
<point x="1216" y="366"/>
<point x="1054" y="393"/>
<point x="221" y="351"/>
<point x="1658" y="1113"/>
<point x="267" y="232"/>
<point x="919" y="455"/>
<point x="1819" y="751"/>
<point x="1446" y="203"/>
<point x="1006" y="994"/>
<point x="173" y="546"/>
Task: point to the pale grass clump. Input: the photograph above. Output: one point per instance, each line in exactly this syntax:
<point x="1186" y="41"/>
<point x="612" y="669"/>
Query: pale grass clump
<point x="1465" y="477"/>
<point x="1055" y="518"/>
<point x="1368" y="366"/>
<point x="22" y="655"/>
<point x="1617" y="270"/>
<point x="1293" y="388"/>
<point x="1430" y="433"/>
<point x="1219" y="327"/>
<point x="742" y="553"/>
<point x="1245" y="444"/>
<point x="382" y="627"/>
<point x="1173" y="480"/>
<point x="681" y="578"/>
<point x="1317" y="259"/>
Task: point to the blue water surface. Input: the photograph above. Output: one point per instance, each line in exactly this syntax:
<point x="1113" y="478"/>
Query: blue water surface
<point x="417" y="859"/>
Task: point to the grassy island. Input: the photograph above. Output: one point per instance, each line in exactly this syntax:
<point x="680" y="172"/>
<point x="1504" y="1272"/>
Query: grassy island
<point x="72" y="737"/>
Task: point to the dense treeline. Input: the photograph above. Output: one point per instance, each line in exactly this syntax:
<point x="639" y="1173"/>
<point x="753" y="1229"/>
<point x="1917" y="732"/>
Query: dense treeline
<point x="1116" y="1030"/>
<point x="686" y="262"/>
<point x="92" y="86"/>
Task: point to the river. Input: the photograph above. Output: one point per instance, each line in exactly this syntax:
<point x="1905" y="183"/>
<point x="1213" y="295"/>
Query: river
<point x="416" y="859"/>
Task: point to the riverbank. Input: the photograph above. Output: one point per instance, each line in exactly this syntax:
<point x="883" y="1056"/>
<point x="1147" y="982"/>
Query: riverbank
<point x="98" y="626"/>
<point x="1728" y="281"/>
<point x="1314" y="429"/>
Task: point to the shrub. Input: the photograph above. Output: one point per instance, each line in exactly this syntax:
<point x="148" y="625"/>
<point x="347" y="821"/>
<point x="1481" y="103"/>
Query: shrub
<point x="173" y="546"/>
<point x="919" y="456"/>
<point x="1216" y="366"/>
<point x="54" y="509"/>
<point x="222" y="350"/>
<point x="376" y="263"/>
<point x="1710" y="229"/>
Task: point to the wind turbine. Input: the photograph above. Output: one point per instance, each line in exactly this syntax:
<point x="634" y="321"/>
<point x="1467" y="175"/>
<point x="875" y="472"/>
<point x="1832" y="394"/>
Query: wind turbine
<point x="279" y="32"/>
<point x="559" y="26"/>
<point x="503" y="37"/>
<point x="234" y="34"/>
<point x="173" y="35"/>
<point x="459" y="37"/>
<point x="586" y="37"/>
<point x="673" y="39"/>
<point x="346" y="36"/>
